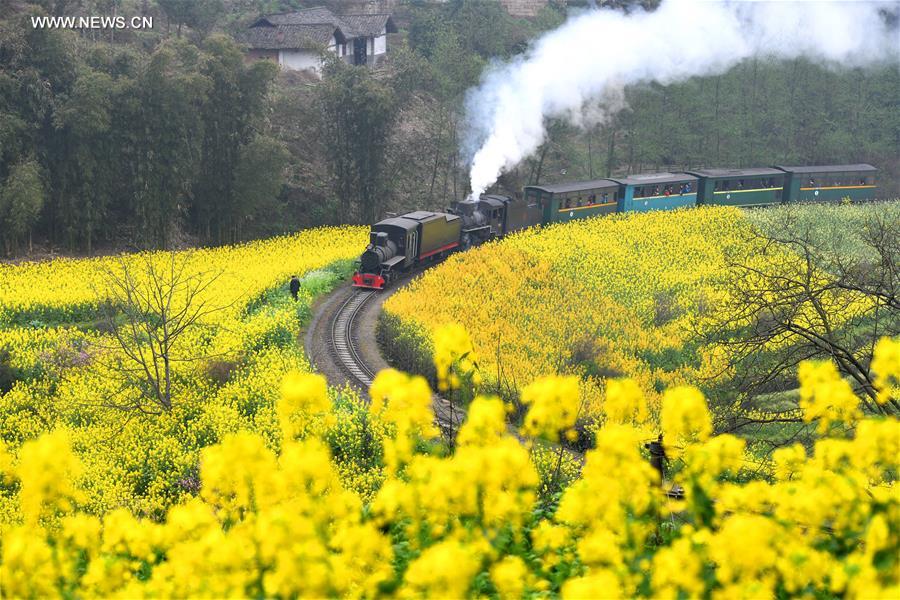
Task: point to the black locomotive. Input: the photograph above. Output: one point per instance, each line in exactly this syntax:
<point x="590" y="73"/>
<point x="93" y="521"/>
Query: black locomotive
<point x="400" y="243"/>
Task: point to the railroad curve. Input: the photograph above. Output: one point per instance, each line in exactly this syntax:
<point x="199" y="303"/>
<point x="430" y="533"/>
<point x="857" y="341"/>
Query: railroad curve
<point x="341" y="344"/>
<point x="343" y="338"/>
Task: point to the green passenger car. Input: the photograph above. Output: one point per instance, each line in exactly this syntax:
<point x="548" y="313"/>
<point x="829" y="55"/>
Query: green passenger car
<point x="740" y="187"/>
<point x="576" y="200"/>
<point x="658" y="191"/>
<point x="830" y="183"/>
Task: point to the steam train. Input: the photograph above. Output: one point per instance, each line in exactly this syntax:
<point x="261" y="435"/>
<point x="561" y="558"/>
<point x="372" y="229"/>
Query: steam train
<point x="401" y="243"/>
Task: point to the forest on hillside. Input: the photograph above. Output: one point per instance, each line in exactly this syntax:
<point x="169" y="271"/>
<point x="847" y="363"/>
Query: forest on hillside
<point x="168" y="138"/>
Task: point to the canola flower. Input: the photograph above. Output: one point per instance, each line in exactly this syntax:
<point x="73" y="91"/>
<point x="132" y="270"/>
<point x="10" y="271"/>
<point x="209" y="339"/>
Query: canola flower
<point x="69" y="375"/>
<point x="586" y="298"/>
<point x="467" y="522"/>
<point x="599" y="299"/>
<point x="263" y="482"/>
<point x="247" y="270"/>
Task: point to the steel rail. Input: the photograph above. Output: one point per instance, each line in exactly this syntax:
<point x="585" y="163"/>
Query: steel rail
<point x="342" y="338"/>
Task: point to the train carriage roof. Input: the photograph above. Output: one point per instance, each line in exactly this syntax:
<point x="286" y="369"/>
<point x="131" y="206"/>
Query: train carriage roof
<point x="647" y="178"/>
<point x="574" y="186"/>
<point x="760" y="172"/>
<point x="828" y="168"/>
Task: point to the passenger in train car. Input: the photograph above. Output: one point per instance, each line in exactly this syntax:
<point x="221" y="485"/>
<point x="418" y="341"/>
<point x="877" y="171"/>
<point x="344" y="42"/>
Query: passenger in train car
<point x="812" y="182"/>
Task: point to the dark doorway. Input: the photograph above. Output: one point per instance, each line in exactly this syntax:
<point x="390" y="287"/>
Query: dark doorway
<point x="359" y="51"/>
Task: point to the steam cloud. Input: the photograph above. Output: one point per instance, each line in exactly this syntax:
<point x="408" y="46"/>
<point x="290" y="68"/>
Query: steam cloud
<point x="591" y="57"/>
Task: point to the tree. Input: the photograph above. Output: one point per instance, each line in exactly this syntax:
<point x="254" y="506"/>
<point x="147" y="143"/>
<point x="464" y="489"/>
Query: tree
<point x="21" y="199"/>
<point x="151" y="305"/>
<point x="259" y="178"/>
<point x="83" y="123"/>
<point x="358" y="111"/>
<point x="196" y="14"/>
<point x="812" y="296"/>
<point x="163" y="143"/>
<point x="232" y="110"/>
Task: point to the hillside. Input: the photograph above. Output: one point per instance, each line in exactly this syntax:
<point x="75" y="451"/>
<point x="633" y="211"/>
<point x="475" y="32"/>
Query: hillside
<point x="652" y="297"/>
<point x="259" y="480"/>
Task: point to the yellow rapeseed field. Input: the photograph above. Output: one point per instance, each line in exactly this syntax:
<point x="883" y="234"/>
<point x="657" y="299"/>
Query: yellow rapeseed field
<point x="278" y="521"/>
<point x="261" y="481"/>
<point x="67" y="375"/>
<point x="600" y="297"/>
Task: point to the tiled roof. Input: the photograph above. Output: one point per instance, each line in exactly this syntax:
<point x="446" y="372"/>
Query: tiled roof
<point x="290" y="25"/>
<point x="274" y="37"/>
<point x="306" y="16"/>
<point x="366" y="25"/>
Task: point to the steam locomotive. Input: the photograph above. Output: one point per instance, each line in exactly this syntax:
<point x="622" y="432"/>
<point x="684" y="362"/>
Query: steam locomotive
<point x="401" y="243"/>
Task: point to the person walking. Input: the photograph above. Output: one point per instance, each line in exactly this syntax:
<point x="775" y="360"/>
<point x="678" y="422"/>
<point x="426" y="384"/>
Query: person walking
<point x="295" y="287"/>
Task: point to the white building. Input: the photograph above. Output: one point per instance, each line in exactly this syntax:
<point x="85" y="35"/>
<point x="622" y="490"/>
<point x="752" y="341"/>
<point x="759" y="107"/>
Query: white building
<point x="300" y="40"/>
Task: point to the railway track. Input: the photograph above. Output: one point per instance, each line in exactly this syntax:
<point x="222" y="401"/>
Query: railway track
<point x="343" y="339"/>
<point x="347" y="328"/>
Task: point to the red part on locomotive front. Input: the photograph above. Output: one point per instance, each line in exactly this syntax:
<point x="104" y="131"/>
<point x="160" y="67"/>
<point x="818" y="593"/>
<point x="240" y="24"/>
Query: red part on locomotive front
<point x="368" y="280"/>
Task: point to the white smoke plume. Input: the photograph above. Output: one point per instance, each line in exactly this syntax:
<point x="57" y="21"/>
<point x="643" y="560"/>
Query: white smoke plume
<point x="593" y="56"/>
